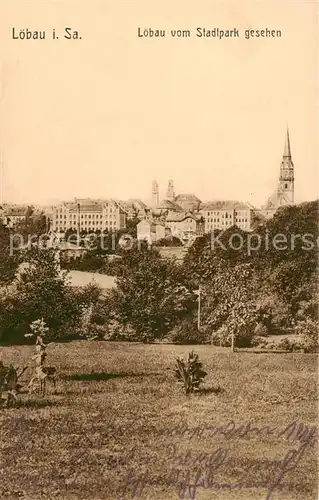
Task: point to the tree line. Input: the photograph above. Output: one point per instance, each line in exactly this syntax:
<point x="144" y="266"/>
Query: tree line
<point x="245" y="293"/>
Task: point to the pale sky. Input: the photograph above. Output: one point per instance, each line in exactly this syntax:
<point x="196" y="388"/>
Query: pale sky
<point x="103" y="116"/>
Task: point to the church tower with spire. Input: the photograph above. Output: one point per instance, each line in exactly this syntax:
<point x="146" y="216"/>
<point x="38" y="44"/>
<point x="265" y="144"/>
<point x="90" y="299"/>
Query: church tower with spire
<point x="285" y="192"/>
<point x="286" y="179"/>
<point x="170" y="193"/>
<point x="155" y="194"/>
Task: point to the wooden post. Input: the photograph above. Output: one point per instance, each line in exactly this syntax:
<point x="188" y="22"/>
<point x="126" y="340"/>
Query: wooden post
<point x="232" y="342"/>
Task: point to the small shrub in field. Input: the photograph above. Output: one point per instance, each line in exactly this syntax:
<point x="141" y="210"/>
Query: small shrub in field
<point x="186" y="332"/>
<point x="261" y="330"/>
<point x="190" y="374"/>
<point x="259" y="342"/>
<point x="116" y="331"/>
<point x="307" y="340"/>
<point x="289" y="345"/>
<point x="221" y="337"/>
<point x="308" y="332"/>
<point x="271" y="345"/>
<point x="97" y="332"/>
<point x="244" y="332"/>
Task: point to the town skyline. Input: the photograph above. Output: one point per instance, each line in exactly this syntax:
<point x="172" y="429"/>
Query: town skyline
<point x="146" y="199"/>
<point x="91" y="121"/>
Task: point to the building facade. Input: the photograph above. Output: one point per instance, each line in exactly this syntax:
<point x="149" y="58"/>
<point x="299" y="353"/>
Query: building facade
<point x="185" y="225"/>
<point x="12" y="215"/>
<point x="88" y="215"/>
<point x="225" y="214"/>
<point x="150" y="231"/>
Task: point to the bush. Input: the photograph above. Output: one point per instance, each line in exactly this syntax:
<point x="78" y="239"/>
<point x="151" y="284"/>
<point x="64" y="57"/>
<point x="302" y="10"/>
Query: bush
<point x="117" y="331"/>
<point x="151" y="294"/>
<point x="260" y="342"/>
<point x="97" y="332"/>
<point x="221" y="337"/>
<point x="273" y="312"/>
<point x="98" y="318"/>
<point x="261" y="330"/>
<point x="42" y="291"/>
<point x="191" y="373"/>
<point x="187" y="333"/>
<point x="308" y="332"/>
<point x="290" y="345"/>
<point x="243" y="334"/>
<point x="242" y="326"/>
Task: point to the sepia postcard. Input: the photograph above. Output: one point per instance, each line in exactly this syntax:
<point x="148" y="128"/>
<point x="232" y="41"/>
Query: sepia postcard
<point x="159" y="238"/>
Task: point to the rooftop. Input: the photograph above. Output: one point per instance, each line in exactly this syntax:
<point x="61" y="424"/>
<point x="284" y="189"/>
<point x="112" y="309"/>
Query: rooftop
<point x="227" y="205"/>
<point x="15" y="211"/>
<point x="169" y="205"/>
<point x="87" y="208"/>
<point x="277" y="199"/>
<point x="179" y="217"/>
<point x="187" y="197"/>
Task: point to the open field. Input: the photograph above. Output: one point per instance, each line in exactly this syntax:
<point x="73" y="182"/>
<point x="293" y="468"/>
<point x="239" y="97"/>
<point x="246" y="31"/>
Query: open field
<point x="120" y="427"/>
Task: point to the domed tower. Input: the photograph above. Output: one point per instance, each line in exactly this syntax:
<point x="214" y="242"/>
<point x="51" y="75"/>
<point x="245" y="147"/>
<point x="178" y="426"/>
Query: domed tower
<point x="286" y="179"/>
<point x="170" y="193"/>
<point x="155" y="194"/>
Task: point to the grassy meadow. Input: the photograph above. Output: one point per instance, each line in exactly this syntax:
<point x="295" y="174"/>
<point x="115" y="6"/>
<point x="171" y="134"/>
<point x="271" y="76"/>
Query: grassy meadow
<point x="119" y="426"/>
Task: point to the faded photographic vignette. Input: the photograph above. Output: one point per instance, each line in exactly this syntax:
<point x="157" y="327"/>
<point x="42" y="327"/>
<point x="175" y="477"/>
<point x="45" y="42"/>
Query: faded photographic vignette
<point x="158" y="250"/>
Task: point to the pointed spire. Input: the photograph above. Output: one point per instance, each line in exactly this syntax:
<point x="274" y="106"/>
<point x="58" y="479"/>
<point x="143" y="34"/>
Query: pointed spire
<point x="287" y="151"/>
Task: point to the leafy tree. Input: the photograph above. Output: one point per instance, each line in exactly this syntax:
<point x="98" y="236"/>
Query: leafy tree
<point x="216" y="252"/>
<point x="282" y="284"/>
<point x="41" y="290"/>
<point x="168" y="242"/>
<point x="186" y="332"/>
<point x="32" y="225"/>
<point x="229" y="301"/>
<point x="151" y="294"/>
<point x="9" y="256"/>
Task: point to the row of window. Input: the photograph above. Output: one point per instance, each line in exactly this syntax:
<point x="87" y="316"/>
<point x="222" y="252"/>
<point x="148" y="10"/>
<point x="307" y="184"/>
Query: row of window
<point x="86" y="216"/>
<point x="65" y="210"/>
<point x="97" y="216"/>
<point x="225" y="222"/>
<point x="90" y="226"/>
<point x="86" y="222"/>
<point x="215" y="219"/>
<point x="226" y="215"/>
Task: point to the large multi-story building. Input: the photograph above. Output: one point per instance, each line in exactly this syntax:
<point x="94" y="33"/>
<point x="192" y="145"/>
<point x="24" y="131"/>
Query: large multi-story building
<point x="88" y="215"/>
<point x="224" y="214"/>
